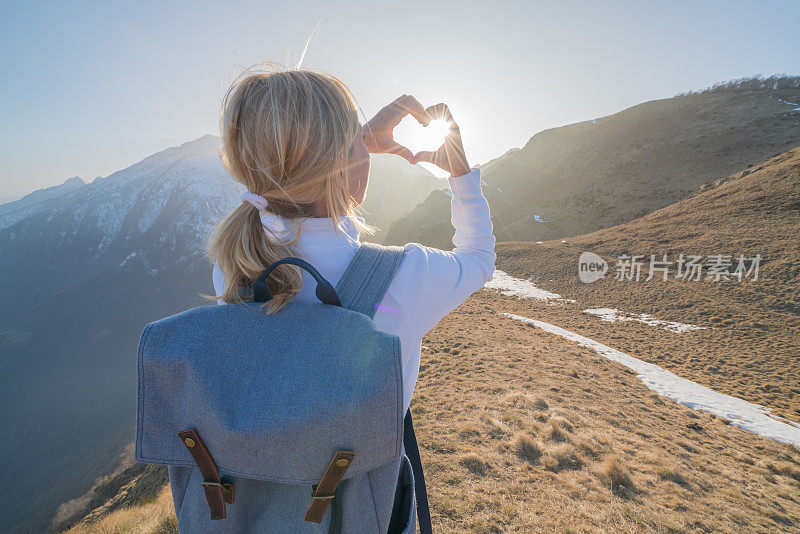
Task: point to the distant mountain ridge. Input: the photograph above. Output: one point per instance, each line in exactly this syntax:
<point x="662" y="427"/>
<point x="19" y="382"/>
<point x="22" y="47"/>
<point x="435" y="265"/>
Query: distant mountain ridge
<point x="36" y="202"/>
<point x="748" y="84"/>
<point x="593" y="174"/>
<point x="9" y="198"/>
<point x="81" y="276"/>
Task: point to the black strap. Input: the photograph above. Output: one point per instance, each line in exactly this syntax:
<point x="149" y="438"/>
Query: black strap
<point x="401" y="508"/>
<point x="325" y="291"/>
<point x="420" y="492"/>
<point x="335" y="526"/>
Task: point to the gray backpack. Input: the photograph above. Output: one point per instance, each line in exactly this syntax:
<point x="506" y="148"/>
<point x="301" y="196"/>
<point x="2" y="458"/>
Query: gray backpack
<point x="270" y="421"/>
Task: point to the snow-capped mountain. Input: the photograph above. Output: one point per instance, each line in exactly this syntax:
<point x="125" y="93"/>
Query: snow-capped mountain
<point x="36" y="202"/>
<point x="154" y="213"/>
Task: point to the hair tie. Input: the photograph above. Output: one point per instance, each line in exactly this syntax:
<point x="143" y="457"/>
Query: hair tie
<point x="256" y="200"/>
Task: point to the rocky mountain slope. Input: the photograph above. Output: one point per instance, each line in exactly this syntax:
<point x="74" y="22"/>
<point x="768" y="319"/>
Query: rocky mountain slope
<point x="395" y="189"/>
<point x="85" y="267"/>
<point x="594" y="174"/>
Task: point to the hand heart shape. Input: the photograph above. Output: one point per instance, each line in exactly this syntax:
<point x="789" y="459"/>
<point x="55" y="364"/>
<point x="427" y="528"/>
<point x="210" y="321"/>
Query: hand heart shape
<point x="404" y="125"/>
<point x="379" y="131"/>
<point x="412" y="135"/>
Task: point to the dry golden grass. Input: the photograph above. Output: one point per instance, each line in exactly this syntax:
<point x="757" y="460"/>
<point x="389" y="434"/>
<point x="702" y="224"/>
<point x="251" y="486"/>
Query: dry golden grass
<point x="751" y="347"/>
<point x="575" y="443"/>
<point x="614" y="473"/>
<point x="527" y="448"/>
<point x="156" y="517"/>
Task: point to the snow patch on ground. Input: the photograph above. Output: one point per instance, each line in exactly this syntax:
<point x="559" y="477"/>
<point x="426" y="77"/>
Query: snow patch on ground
<point x="790" y="103"/>
<point x="516" y="287"/>
<point x="613" y="315"/>
<point x="741" y="413"/>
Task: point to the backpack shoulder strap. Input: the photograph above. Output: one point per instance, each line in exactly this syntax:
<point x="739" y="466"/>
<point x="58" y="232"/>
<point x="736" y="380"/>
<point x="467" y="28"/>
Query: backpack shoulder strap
<point x="366" y="279"/>
<point x="361" y="288"/>
<point x="420" y="491"/>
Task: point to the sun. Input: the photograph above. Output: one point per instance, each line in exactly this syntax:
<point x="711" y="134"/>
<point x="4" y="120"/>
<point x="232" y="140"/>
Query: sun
<point x="416" y="138"/>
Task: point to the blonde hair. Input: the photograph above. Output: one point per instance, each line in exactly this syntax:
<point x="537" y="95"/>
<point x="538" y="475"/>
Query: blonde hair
<point x="286" y="135"/>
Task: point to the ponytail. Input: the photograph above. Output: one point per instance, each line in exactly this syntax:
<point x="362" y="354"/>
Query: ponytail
<point x="242" y="248"/>
<point x="286" y="136"/>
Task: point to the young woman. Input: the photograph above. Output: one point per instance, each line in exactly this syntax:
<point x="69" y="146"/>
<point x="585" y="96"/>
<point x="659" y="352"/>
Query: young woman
<point x="293" y="139"/>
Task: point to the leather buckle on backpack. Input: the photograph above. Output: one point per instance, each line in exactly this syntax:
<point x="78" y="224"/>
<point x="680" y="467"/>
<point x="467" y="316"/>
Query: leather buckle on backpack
<point x="226" y="487"/>
<point x="330" y="480"/>
<point x="217" y="498"/>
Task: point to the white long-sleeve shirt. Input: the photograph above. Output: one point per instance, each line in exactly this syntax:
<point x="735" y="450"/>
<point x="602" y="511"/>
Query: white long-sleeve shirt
<point x="429" y="284"/>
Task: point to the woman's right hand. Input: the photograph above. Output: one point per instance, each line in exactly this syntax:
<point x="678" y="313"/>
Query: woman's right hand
<point x="449" y="157"/>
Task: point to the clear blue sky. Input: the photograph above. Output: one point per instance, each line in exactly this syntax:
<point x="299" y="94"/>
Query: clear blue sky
<point x="90" y="88"/>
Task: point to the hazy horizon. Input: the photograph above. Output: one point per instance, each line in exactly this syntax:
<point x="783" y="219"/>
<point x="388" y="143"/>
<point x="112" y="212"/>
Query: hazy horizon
<point x="93" y="88"/>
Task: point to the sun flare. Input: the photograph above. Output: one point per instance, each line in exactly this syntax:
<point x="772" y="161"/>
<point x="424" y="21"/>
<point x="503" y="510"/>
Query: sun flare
<point x="416" y="137"/>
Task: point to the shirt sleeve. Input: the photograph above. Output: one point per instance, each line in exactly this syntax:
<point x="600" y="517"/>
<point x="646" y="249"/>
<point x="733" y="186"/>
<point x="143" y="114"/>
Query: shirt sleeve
<point x="430" y="283"/>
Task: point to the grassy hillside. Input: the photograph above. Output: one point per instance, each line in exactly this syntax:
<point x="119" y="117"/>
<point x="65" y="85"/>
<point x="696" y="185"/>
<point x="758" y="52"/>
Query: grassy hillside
<point x="152" y="517"/>
<point x="583" y="177"/>
<point x="751" y="346"/>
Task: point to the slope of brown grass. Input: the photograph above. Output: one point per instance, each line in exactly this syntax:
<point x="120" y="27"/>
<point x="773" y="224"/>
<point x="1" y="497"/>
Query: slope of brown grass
<point x="752" y="347"/>
<point x="154" y="517"/>
<point x="571" y="442"/>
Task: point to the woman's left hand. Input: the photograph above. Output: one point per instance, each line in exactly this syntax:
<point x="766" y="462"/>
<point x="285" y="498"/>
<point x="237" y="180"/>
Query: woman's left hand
<point x="378" y="131"/>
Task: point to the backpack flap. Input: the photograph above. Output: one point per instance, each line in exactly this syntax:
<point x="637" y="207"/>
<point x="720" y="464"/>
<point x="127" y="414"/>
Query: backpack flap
<point x="273" y="397"/>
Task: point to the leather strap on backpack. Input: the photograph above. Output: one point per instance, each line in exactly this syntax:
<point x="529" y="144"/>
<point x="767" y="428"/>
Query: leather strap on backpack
<point x="323" y="493"/>
<point x="217" y="492"/>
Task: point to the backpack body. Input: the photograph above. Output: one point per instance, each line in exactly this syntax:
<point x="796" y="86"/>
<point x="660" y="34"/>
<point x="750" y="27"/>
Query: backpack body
<point x="273" y="398"/>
